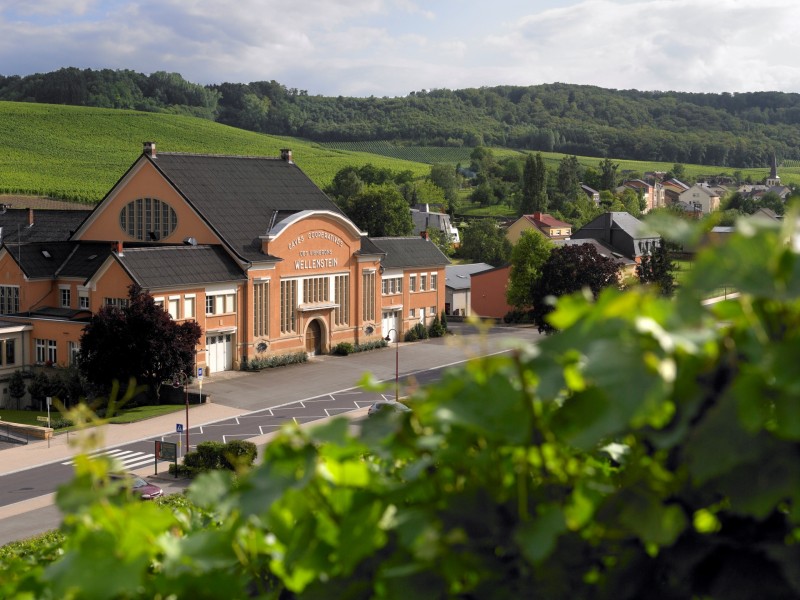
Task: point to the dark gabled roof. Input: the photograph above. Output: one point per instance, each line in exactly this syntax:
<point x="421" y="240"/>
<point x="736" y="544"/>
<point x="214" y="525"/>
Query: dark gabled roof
<point x="176" y="266"/>
<point x="242" y="197"/>
<point x="48" y="225"/>
<point x="369" y="247"/>
<point x="40" y="260"/>
<point x="629" y="224"/>
<point x="85" y="259"/>
<point x="404" y="252"/>
<point x="615" y="220"/>
<point x="457" y="277"/>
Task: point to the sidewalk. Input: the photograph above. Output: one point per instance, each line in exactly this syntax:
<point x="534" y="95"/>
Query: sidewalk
<point x="66" y="445"/>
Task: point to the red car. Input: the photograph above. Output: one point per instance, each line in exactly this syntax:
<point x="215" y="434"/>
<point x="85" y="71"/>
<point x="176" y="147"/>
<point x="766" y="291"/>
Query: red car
<point x="138" y="486"/>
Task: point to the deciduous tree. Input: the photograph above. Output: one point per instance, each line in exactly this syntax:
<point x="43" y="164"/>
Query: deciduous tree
<point x="570" y="269"/>
<point x="608" y="175"/>
<point x="16" y="387"/>
<point x="139" y="341"/>
<point x="381" y="211"/>
<point x="527" y="258"/>
<point x="658" y="268"/>
<point x="484" y="241"/>
<point x="534" y="185"/>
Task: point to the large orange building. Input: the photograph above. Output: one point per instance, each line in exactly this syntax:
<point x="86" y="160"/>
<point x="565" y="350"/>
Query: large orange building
<point x="248" y="247"/>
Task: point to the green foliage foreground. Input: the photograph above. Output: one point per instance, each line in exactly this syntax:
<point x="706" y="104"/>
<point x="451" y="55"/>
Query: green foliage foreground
<point x="648" y="450"/>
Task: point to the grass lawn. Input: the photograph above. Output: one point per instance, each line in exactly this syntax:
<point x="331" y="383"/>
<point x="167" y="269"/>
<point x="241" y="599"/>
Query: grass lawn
<point x="139" y="413"/>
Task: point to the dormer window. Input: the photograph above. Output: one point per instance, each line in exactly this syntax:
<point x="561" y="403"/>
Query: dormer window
<point x="148" y="219"/>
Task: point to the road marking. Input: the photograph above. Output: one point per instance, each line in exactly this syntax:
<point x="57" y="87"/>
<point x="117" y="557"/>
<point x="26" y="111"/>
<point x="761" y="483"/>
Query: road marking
<point x="130" y="459"/>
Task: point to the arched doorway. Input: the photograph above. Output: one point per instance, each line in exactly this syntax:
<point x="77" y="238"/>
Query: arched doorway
<point x="314" y="338"/>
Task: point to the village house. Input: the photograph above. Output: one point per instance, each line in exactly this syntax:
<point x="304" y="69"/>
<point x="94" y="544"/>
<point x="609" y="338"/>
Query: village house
<point x="621" y="233"/>
<point x="591" y="193"/>
<point x="653" y="194"/>
<point x="424" y="219"/>
<point x="544" y="223"/>
<point x="458" y="292"/>
<point x="248" y="247"/>
<point x="702" y="197"/>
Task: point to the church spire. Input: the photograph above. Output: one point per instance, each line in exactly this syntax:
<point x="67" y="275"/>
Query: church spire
<point x="774" y="179"/>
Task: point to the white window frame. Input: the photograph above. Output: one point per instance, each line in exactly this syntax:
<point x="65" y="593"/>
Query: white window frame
<point x="41" y="350"/>
<point x="221" y="303"/>
<point x="65" y="296"/>
<point x="6" y="343"/>
<point x="412" y="283"/>
<point x="73" y="348"/>
<point x="174" y="303"/>
<point x="9" y="299"/>
<point x="189" y="300"/>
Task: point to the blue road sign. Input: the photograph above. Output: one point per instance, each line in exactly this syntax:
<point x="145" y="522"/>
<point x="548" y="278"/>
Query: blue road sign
<point x="178" y="428"/>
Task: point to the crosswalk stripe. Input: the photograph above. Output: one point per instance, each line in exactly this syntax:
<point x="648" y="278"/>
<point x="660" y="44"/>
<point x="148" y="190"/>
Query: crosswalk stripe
<point x="128" y="458"/>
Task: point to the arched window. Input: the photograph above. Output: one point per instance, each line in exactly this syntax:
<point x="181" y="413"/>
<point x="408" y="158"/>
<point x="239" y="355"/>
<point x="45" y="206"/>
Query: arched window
<point x="148" y="219"/>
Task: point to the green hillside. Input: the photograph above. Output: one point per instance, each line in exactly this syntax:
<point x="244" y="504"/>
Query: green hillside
<point x="79" y="153"/>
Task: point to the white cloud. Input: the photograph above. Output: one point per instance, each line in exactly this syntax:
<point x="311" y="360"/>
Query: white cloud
<point x="391" y="47"/>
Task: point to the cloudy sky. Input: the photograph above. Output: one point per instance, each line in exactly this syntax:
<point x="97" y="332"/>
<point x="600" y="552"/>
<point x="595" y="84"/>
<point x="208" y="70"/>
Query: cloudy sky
<point x="393" y="47"/>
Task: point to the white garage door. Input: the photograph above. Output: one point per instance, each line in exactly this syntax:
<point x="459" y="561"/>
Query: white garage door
<point x="391" y="320"/>
<point x="219" y="351"/>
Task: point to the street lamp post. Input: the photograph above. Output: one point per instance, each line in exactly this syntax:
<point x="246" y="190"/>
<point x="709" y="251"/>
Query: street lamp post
<point x="176" y="384"/>
<point x="388" y="338"/>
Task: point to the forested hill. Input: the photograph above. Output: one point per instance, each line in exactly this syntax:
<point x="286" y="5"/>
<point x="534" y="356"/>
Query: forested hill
<point x="736" y="130"/>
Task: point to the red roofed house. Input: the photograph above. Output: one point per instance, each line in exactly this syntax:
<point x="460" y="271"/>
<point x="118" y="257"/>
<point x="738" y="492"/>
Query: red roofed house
<point x="541" y="222"/>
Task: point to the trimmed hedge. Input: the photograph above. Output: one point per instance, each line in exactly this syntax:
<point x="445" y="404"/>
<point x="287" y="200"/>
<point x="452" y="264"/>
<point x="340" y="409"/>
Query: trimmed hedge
<point x="345" y="348"/>
<point x="281" y="360"/>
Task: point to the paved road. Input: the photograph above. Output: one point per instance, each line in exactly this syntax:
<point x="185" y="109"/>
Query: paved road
<point x="253" y="391"/>
<point x="303" y="393"/>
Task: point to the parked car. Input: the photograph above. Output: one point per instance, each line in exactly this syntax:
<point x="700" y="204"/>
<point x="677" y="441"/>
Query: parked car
<point x="385" y="406"/>
<point x="138" y="486"/>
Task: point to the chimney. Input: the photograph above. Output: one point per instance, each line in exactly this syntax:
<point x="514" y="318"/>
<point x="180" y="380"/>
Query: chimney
<point x="424" y="234"/>
<point x="117" y="247"/>
<point x="537" y="216"/>
<point x="30" y="217"/>
<point x="150" y="149"/>
<point x="286" y="154"/>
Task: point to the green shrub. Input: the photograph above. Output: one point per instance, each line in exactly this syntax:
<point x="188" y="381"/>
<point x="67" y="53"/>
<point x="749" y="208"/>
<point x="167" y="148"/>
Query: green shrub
<point x="436" y="329"/>
<point x="343" y="349"/>
<point x="239" y="453"/>
<point x="211" y="456"/>
<point x="444" y="320"/>
<point x="412" y="335"/>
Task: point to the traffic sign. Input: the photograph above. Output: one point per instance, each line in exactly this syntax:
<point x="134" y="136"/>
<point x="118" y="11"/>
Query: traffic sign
<point x="178" y="427"/>
<point x="199" y="372"/>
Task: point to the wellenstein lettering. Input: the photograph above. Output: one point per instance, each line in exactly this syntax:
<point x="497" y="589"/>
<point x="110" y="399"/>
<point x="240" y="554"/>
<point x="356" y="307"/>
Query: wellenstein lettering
<point x="317" y="263"/>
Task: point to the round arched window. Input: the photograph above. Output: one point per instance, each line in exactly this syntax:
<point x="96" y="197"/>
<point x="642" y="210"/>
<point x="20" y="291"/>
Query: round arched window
<point x="148" y="219"/>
